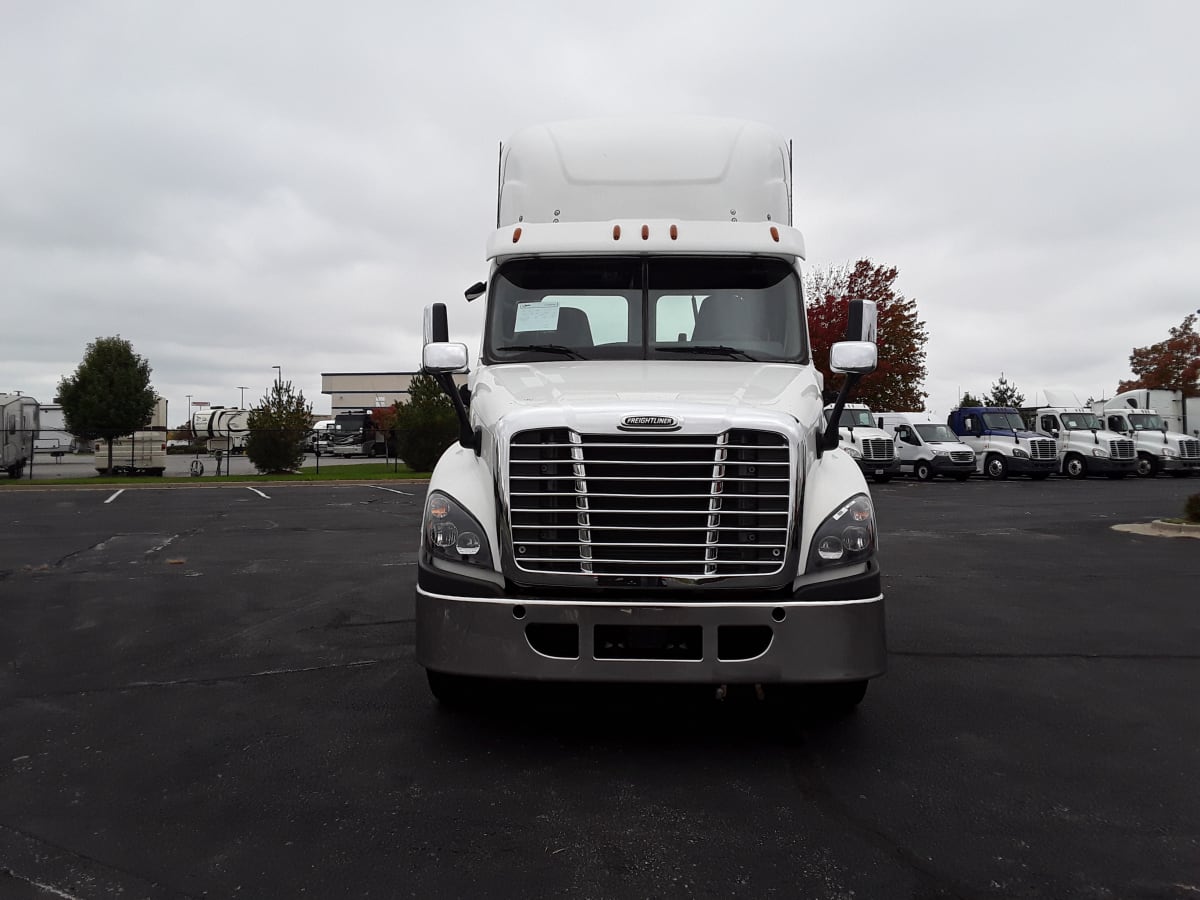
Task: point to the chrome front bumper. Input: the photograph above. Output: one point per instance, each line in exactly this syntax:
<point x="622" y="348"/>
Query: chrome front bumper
<point x="563" y="640"/>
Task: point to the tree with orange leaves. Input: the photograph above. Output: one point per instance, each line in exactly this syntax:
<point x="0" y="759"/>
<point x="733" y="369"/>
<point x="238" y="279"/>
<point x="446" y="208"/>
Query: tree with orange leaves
<point x="898" y="381"/>
<point x="1173" y="364"/>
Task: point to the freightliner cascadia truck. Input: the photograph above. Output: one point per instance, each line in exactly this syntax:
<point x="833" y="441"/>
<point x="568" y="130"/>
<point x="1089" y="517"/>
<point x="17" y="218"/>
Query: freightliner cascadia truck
<point x="644" y="488"/>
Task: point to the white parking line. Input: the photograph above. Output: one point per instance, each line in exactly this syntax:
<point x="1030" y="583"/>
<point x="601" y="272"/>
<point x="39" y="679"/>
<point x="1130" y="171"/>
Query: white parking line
<point x="115" y="496"/>
<point x="260" y="493"/>
<point x="390" y="490"/>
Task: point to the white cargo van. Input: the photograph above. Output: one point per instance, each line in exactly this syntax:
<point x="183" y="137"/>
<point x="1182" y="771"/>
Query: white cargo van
<point x="644" y="489"/>
<point x="927" y="448"/>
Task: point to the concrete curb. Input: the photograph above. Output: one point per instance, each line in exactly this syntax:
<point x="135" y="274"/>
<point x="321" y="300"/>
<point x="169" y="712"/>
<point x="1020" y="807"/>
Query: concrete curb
<point x="1159" y="528"/>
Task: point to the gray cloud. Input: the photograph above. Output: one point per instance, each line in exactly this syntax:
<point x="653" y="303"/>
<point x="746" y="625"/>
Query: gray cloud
<point x="236" y="187"/>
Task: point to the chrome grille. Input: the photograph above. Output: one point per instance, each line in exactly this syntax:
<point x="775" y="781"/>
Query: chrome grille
<point x="1122" y="449"/>
<point x="877" y="450"/>
<point x="1189" y="449"/>
<point x="1042" y="449"/>
<point x="649" y="505"/>
<point x="962" y="456"/>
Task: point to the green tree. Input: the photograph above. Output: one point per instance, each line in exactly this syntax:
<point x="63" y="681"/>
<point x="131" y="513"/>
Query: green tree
<point x="1004" y="394"/>
<point x="279" y="427"/>
<point x="109" y="396"/>
<point x="424" y="426"/>
<point x="898" y="381"/>
<point x="969" y="399"/>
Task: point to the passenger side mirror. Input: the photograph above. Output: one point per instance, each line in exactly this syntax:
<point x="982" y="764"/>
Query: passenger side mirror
<point x="853" y="357"/>
<point x="444" y="357"/>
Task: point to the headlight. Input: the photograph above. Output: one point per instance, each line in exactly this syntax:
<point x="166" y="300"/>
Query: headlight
<point x="1167" y="451"/>
<point x="846" y="537"/>
<point x="1101" y="453"/>
<point x="941" y="452"/>
<point x="452" y="533"/>
<point x="1019" y="453"/>
<point x="853" y="452"/>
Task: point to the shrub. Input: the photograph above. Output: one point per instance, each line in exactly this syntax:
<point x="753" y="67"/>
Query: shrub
<point x="278" y="429"/>
<point x="424" y="426"/>
<point x="1191" y="508"/>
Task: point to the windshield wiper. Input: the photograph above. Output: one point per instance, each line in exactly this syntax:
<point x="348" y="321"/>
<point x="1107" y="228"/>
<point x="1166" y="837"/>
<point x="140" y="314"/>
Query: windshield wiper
<point x="710" y="349"/>
<point x="547" y="348"/>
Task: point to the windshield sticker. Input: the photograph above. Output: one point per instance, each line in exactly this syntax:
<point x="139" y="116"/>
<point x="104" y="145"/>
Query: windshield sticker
<point x="541" y="316"/>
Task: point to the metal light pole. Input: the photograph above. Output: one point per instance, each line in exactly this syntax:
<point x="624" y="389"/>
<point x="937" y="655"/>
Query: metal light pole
<point x="242" y="402"/>
<point x="278" y="374"/>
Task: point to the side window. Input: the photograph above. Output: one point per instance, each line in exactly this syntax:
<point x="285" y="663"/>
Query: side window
<point x="1050" y="425"/>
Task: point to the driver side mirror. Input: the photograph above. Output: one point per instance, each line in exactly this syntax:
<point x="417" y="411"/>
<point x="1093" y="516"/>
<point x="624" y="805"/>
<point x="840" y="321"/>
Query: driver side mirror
<point x="853" y="357"/>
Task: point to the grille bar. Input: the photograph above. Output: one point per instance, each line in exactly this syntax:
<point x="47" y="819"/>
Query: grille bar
<point x="597" y="504"/>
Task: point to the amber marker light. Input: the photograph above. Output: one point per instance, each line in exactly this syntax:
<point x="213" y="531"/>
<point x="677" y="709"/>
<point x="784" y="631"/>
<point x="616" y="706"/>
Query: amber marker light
<point x="516" y="235"/>
<point x="616" y="232"/>
<point x="645" y="232"/>
<point x="674" y="232"/>
<point x="775" y="234"/>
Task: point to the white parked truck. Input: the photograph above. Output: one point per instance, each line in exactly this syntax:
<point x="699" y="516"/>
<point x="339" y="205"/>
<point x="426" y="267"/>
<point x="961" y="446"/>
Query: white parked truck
<point x="1003" y="445"/>
<point x="1179" y="414"/>
<point x="1085" y="447"/>
<point x="927" y="448"/>
<point x="866" y="443"/>
<point x="643" y="489"/>
<point x="18" y="432"/>
<point x="1158" y="450"/>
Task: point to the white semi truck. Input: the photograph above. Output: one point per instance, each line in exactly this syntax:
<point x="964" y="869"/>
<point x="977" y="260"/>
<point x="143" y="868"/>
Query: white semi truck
<point x="18" y="432"/>
<point x="644" y="489"/>
<point x="1158" y="450"/>
<point x="1085" y="447"/>
<point x="1003" y="445"/>
<point x="866" y="443"/>
<point x="1180" y="415"/>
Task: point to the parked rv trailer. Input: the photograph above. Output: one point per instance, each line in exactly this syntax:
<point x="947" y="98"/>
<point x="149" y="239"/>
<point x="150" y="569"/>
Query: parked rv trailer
<point x="142" y="453"/>
<point x="18" y="429"/>
<point x="223" y="429"/>
<point x="52" y="436"/>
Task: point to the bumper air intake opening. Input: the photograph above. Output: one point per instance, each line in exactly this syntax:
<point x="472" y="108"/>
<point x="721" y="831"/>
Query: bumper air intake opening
<point x="551" y="639"/>
<point x="739" y="642"/>
<point x="649" y="642"/>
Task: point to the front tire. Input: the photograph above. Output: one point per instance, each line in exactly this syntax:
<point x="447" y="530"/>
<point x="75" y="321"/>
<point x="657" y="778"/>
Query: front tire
<point x="996" y="468"/>
<point x="1075" y="467"/>
<point x="1147" y="466"/>
<point x="923" y="470"/>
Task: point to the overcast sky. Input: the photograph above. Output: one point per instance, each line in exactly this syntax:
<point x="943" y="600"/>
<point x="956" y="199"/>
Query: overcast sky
<point x="233" y="185"/>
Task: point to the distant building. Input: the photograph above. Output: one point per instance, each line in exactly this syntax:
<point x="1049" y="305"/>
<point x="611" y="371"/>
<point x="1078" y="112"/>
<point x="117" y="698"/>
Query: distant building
<point x="368" y="390"/>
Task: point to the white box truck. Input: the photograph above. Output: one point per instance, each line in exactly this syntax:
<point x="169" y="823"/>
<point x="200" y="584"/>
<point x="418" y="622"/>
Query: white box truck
<point x="927" y="448"/>
<point x="18" y="432"/>
<point x="644" y="489"/>
<point x="1158" y="449"/>
<point x="1085" y="447"/>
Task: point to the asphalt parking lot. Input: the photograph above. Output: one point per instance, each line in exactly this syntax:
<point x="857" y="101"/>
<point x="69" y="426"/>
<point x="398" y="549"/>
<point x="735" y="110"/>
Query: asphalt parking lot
<point x="210" y="692"/>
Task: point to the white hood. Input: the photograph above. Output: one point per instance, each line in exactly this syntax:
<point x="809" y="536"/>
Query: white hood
<point x="711" y="389"/>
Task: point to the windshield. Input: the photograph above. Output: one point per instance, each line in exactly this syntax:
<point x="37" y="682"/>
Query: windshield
<point x="935" y="433"/>
<point x="1146" y="422"/>
<point x="349" y="424"/>
<point x="705" y="308"/>
<point x="994" y="421"/>
<point x="1077" y="421"/>
<point x="856" y="418"/>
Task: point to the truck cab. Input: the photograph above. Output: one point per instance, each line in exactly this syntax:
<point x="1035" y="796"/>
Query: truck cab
<point x="1158" y="450"/>
<point x="1085" y="447"/>
<point x="927" y="448"/>
<point x="1002" y="444"/>
<point x="866" y="443"/>
<point x="644" y="488"/>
